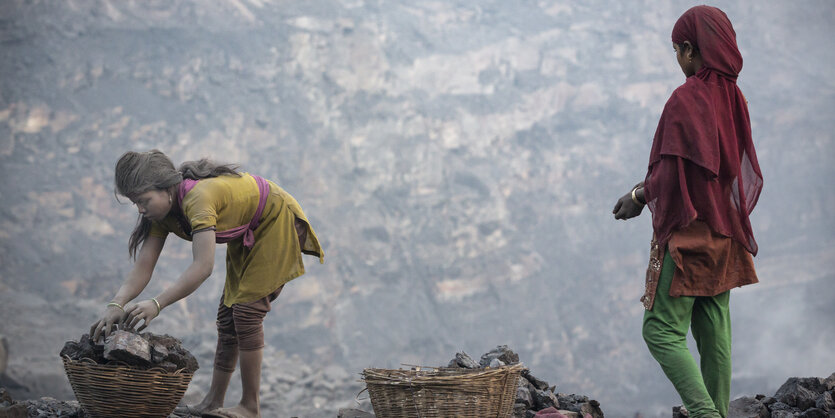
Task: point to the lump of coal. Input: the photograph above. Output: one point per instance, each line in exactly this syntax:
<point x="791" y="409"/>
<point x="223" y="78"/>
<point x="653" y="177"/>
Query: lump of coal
<point x="800" y="392"/>
<point x="463" y="360"/>
<point x="746" y="407"/>
<point x="84" y="348"/>
<point x="502" y="353"/>
<point x="140" y="351"/>
<point x="543" y="399"/>
<point x="177" y="355"/>
<point x="537" y="383"/>
<point x="127" y="347"/>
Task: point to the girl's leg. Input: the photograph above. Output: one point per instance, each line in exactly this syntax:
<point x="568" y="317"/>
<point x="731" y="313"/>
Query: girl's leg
<point x="712" y="331"/>
<point x="251" y="380"/>
<point x="226" y="357"/>
<point x="665" y="332"/>
<point x="249" y="325"/>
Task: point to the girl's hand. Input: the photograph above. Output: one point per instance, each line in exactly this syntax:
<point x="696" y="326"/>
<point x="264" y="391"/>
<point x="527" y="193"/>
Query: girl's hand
<point x="109" y="320"/>
<point x="145" y="310"/>
<point x="626" y="208"/>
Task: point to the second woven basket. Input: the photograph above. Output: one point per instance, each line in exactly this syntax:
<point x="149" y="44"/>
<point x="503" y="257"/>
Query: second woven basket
<point x="443" y="392"/>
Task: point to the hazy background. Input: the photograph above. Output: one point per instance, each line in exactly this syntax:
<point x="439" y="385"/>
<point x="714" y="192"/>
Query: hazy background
<point x="458" y="159"/>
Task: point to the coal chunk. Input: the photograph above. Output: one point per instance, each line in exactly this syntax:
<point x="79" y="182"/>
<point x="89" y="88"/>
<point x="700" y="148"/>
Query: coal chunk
<point x="140" y="351"/>
<point x="502" y="353"/>
<point x="814" y="413"/>
<point x="543" y="399"/>
<point x="85" y="347"/>
<point x="592" y="408"/>
<point x="800" y="392"/>
<point x="523" y="396"/>
<point x="536" y="382"/>
<point x="746" y="407"/>
<point x="825" y="402"/>
<point x="519" y="411"/>
<point x="463" y="360"/>
<point x="177" y="354"/>
<point x="127" y="347"/>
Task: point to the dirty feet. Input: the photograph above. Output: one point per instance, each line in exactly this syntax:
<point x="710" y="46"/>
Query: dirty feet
<point x="236" y="412"/>
<point x="196" y="410"/>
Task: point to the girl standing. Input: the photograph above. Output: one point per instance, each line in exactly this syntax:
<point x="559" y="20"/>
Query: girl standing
<point x="266" y="233"/>
<point x="702" y="182"/>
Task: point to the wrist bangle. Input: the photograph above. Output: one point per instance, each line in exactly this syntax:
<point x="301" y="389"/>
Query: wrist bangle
<point x="116" y="305"/>
<point x="635" y="197"/>
<point x="158" y="307"/>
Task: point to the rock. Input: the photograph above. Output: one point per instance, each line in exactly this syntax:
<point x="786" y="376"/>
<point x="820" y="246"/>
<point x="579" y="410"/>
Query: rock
<point x="51" y="407"/>
<point x="780" y="406"/>
<point x="784" y="414"/>
<point x="523" y="396"/>
<point x="14" y="411"/>
<point x="830" y="382"/>
<point x="519" y="411"/>
<point x="571" y="402"/>
<point x="543" y="399"/>
<point x="353" y="413"/>
<point x="680" y="411"/>
<point x="500" y="352"/>
<point x="814" y="413"/>
<point x="746" y="407"/>
<point x="800" y="392"/>
<point x="496" y="363"/>
<point x="463" y="360"/>
<point x="140" y="351"/>
<point x="592" y="408"/>
<point x="158" y="353"/>
<point x="768" y="401"/>
<point x="84" y="348"/>
<point x="177" y="355"/>
<point x="825" y="402"/>
<point x="5" y="398"/>
<point x="127" y="347"/>
<point x="536" y="382"/>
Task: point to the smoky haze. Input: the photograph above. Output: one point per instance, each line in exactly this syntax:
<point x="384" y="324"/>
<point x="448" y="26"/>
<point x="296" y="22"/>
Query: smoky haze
<point x="459" y="161"/>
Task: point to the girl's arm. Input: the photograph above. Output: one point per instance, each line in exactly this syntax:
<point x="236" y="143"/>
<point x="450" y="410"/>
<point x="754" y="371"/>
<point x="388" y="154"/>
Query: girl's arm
<point x="203" y="251"/>
<point x="136" y="281"/>
<point x="140" y="275"/>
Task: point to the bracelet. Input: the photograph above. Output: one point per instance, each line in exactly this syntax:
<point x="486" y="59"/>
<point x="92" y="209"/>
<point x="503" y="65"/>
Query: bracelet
<point x="158" y="307"/>
<point x="635" y="197"/>
<point x="116" y="305"/>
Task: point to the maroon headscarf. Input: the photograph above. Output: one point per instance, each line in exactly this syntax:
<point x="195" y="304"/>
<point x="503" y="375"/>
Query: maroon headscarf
<point x="703" y="164"/>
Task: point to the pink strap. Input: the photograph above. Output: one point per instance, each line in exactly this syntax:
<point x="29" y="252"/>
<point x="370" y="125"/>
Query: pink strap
<point x="247" y="231"/>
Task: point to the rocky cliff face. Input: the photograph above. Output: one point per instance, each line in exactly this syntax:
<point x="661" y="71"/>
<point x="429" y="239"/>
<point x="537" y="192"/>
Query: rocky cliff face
<point x="458" y="159"/>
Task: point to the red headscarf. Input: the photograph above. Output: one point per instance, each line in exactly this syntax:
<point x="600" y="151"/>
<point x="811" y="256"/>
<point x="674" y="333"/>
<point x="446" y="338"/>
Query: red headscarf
<point x="703" y="164"/>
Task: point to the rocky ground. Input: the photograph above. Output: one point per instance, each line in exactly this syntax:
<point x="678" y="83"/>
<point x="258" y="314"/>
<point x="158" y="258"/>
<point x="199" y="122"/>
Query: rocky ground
<point x="809" y="397"/>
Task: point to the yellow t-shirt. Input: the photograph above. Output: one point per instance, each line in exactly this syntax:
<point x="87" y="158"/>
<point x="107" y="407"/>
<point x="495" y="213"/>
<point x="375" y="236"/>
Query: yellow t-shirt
<point x="228" y="202"/>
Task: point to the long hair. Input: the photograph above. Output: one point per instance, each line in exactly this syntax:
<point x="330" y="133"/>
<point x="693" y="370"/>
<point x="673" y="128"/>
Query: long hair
<point x="139" y="172"/>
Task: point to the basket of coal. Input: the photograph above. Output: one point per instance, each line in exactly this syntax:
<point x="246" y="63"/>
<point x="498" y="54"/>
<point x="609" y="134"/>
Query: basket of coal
<point x="436" y="392"/>
<point x="128" y="375"/>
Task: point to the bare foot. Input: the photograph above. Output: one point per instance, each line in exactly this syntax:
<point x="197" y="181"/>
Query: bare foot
<point x="238" y="411"/>
<point x="207" y="405"/>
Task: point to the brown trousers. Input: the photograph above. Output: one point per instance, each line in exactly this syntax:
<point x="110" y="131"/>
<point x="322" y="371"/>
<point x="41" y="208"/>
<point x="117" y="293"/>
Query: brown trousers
<point x="240" y="327"/>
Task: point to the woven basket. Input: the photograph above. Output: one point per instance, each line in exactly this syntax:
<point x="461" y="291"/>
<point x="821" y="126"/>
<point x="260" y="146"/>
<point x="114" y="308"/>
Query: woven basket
<point x="106" y="391"/>
<point x="443" y="392"/>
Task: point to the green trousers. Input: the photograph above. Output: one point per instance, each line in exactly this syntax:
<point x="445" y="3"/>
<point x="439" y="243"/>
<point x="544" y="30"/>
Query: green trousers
<point x="705" y="391"/>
